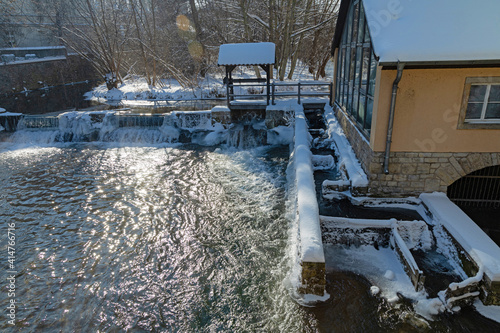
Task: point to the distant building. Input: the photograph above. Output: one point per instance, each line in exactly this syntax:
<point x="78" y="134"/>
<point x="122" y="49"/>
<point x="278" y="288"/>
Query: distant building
<point x="417" y="91"/>
<point x="32" y="23"/>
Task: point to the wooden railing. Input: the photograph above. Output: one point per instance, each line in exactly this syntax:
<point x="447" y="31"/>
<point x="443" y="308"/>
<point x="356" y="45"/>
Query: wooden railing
<point x="276" y="90"/>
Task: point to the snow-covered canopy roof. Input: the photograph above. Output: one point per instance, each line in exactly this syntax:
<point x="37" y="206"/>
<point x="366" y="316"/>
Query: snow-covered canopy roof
<point x="247" y="54"/>
<point x="434" y="30"/>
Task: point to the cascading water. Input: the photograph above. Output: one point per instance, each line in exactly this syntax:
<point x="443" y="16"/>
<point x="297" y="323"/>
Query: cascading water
<point x="110" y="126"/>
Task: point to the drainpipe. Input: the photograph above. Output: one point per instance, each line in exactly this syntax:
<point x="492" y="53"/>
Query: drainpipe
<point x="391" y="116"/>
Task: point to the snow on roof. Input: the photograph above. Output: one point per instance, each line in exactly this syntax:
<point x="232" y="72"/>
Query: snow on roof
<point x="247" y="54"/>
<point x="434" y="30"/>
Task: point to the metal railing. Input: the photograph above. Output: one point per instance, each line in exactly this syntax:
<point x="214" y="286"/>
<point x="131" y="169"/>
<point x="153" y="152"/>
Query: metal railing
<point x="478" y="189"/>
<point x="299" y="89"/>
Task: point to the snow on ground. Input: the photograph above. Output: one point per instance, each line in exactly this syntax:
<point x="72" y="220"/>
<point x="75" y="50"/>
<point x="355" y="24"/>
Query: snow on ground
<point x="381" y="267"/>
<point x="135" y="89"/>
<point x="2" y="110"/>
<point x="490" y="311"/>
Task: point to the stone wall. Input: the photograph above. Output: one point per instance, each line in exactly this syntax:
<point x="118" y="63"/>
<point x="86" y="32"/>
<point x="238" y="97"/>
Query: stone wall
<point x="17" y="77"/>
<point x="411" y="173"/>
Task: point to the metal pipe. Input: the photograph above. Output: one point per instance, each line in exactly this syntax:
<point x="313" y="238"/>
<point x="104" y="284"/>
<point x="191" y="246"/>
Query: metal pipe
<point x="391" y="116"/>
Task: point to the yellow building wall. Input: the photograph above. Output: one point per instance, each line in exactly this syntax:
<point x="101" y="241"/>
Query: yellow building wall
<point x="427" y="110"/>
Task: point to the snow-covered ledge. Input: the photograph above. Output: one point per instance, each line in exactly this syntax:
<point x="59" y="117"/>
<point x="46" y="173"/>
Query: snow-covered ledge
<point x="479" y="247"/>
<point x="347" y="160"/>
<point x="312" y="257"/>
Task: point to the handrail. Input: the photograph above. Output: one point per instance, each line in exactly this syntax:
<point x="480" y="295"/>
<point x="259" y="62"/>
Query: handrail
<point x="300" y="93"/>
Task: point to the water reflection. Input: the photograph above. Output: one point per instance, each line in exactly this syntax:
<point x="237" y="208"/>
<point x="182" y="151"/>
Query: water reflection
<point x="149" y="238"/>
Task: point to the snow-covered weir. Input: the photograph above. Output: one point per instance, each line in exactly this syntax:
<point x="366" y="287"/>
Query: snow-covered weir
<point x="311" y="253"/>
<point x="380" y="233"/>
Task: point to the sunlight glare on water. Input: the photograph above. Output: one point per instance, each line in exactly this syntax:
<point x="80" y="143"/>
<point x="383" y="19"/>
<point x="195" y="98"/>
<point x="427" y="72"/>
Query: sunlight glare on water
<point x="142" y="238"/>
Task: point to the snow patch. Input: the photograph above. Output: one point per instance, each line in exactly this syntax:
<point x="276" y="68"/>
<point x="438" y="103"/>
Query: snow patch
<point x="389" y="275"/>
<point x="374" y="290"/>
<point x="489" y="311"/>
<point x="247" y="54"/>
<point x="323" y="162"/>
<point x="280" y="135"/>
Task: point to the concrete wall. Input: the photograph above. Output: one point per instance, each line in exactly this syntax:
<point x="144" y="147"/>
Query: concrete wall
<point x="16" y="77"/>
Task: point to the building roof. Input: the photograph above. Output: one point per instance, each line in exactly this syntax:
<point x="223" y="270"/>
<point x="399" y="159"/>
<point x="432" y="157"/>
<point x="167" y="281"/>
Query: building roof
<point x="247" y="54"/>
<point x="431" y="31"/>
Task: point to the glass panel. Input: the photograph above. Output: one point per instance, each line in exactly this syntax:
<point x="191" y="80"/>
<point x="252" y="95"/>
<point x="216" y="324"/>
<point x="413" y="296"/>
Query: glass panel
<point x="373" y="74"/>
<point x="359" y="59"/>
<point x="338" y="76"/>
<point x="354" y="108"/>
<point x="347" y="63"/>
<point x="355" y="23"/>
<point x="492" y="111"/>
<point x="494" y="93"/>
<point x="361" y="109"/>
<point x="357" y="79"/>
<point x="353" y="64"/>
<point x="367" y="33"/>
<point x="366" y="66"/>
<point x="477" y="93"/>
<point x="474" y="111"/>
<point x="361" y="24"/>
<point x="369" y="110"/>
<point x="349" y="25"/>
<point x="344" y="95"/>
<point x="344" y="36"/>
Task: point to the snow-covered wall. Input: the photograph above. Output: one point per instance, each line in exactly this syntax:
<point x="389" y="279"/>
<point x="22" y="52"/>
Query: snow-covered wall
<point x="346" y="157"/>
<point x="308" y="211"/>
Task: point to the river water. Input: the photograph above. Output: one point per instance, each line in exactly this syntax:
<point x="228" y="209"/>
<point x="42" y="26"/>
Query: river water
<point x="148" y="238"/>
<point x="170" y="238"/>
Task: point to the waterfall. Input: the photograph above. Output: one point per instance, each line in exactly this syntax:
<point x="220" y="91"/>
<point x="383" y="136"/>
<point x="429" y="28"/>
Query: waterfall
<point x="116" y="126"/>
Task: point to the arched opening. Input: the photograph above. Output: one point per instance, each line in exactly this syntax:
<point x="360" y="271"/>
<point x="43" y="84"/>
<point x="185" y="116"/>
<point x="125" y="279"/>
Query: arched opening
<point x="478" y="195"/>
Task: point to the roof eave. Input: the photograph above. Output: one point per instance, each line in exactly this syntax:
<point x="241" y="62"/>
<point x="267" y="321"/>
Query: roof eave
<point x="443" y="63"/>
<point x="261" y="64"/>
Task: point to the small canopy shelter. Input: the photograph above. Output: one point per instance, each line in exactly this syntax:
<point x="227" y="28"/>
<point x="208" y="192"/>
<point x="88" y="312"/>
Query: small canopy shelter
<point x="246" y="54"/>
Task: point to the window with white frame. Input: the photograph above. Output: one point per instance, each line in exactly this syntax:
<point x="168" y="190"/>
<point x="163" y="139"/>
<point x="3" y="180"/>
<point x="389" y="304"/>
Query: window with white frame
<point x="481" y="105"/>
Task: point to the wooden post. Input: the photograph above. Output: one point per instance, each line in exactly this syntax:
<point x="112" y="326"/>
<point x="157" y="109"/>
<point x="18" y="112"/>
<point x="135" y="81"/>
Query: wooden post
<point x="268" y="81"/>
<point x="227" y="86"/>
<point x="299" y="91"/>
<point x="273" y="91"/>
<point x="331" y="93"/>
